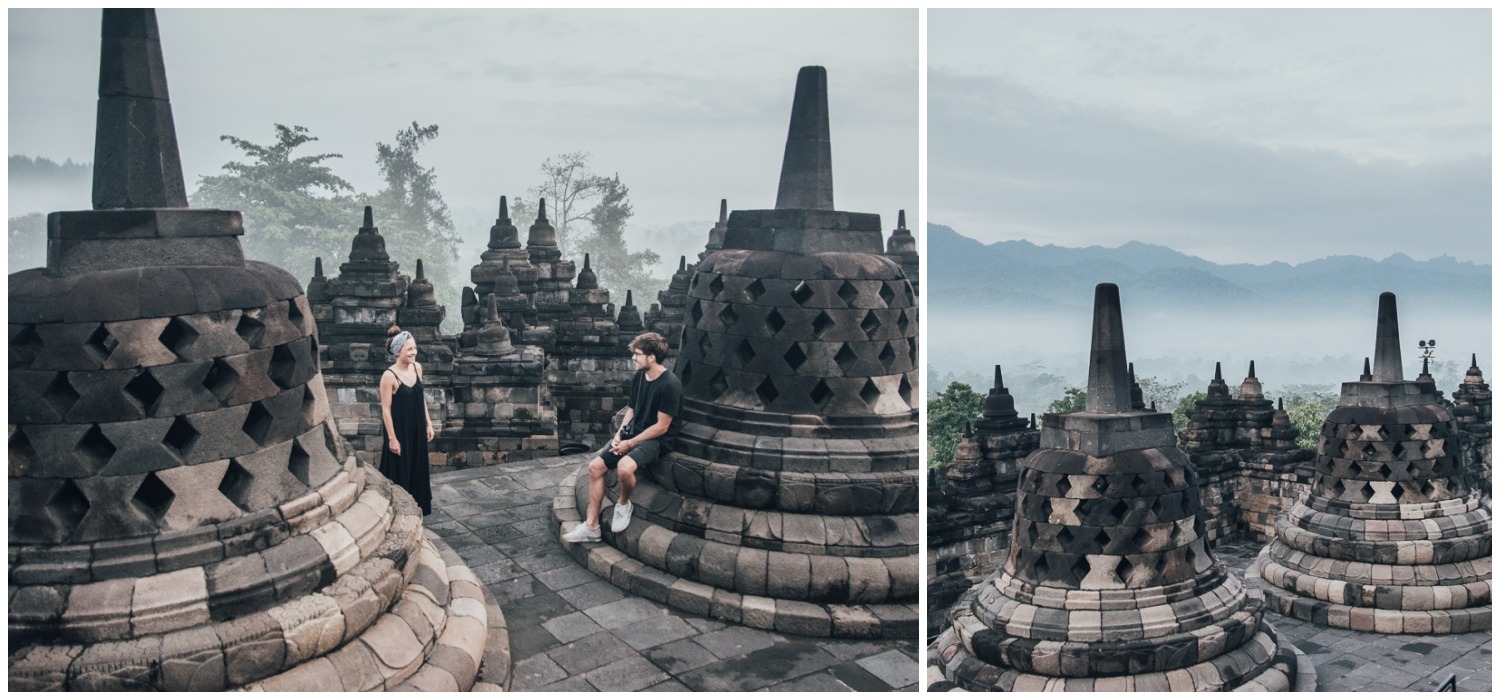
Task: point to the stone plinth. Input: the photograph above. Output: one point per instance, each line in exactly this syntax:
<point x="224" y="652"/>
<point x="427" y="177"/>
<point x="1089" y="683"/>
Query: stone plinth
<point x="1109" y="582"/>
<point x="1392" y="535"/>
<point x="790" y="502"/>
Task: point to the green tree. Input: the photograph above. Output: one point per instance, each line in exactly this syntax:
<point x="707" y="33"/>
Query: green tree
<point x="294" y="207"/>
<point x="27" y="245"/>
<point x="413" y="218"/>
<point x="946" y="414"/>
<point x="1184" y="407"/>
<point x="1163" y="394"/>
<point x="569" y="188"/>
<point x="1073" y="401"/>
<point x="618" y="268"/>
<point x="1307" y="405"/>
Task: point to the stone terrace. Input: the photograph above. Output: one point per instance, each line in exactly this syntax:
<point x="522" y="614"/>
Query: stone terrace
<point x="573" y="631"/>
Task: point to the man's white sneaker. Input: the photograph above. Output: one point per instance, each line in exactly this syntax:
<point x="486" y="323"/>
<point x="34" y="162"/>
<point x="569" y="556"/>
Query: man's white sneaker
<point x="621" y="519"/>
<point x="582" y="533"/>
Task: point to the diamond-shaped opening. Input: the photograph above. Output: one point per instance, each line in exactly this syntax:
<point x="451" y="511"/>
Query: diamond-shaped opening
<point x="250" y="328"/>
<point x="822" y="324"/>
<point x="1367" y="491"/>
<point x="1383" y="432"/>
<point x="902" y="321"/>
<point x="1337" y="488"/>
<point x="1046" y="508"/>
<point x="1100" y="484"/>
<point x="153" y="498"/>
<point x="1122" y="570"/>
<point x="1428" y="488"/>
<point x="257" y="423"/>
<point x="904" y="389"/>
<point x="1384" y="471"/>
<point x="181" y="436"/>
<point x="794" y="356"/>
<point x="178" y="336"/>
<point x="61" y="395"/>
<point x="1119" y="510"/>
<point x="685" y="370"/>
<point x="1368" y="450"/>
<point x="1041" y="567"/>
<point x="25" y="347"/>
<point x="221" y="379"/>
<point x="717" y="385"/>
<point x="1065" y="536"/>
<point x="697" y="312"/>
<point x="68" y="504"/>
<point x="888" y="356"/>
<point x="22" y="454"/>
<point x="886" y="295"/>
<point x="870" y="324"/>
<point x="283" y="369"/>
<point x="802" y="293"/>
<point x="294" y="312"/>
<point x="848" y="293"/>
<point x="100" y="343"/>
<point x="728" y="316"/>
<point x="703" y="345"/>
<point x="845" y="358"/>
<point x="754" y="290"/>
<point x="774" y="322"/>
<point x="870" y="393"/>
<point x="1031" y="534"/>
<point x="1080" y="569"/>
<point x="145" y="390"/>
<point x="1062" y="484"/>
<point x="911" y="344"/>
<point x="1102" y="539"/>
<point x="716" y="286"/>
<point x="1137" y="483"/>
<point x="820" y="393"/>
<point x="94" y="449"/>
<point x="745" y="352"/>
<point x="1142" y="536"/>
<point x="1398" y="449"/>
<point x="236" y="483"/>
<point x="1397" y="492"/>
<point x="299" y="463"/>
<point x="309" y="404"/>
<point x="333" y="443"/>
<point x="767" y="392"/>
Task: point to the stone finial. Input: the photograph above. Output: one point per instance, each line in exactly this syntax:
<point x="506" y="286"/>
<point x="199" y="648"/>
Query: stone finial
<point x="318" y="266"/>
<point x="1033" y="421"/>
<point x="493" y="338"/>
<point x="504" y="235"/>
<point x="1153" y="405"/>
<point x="999" y="404"/>
<point x="968" y="429"/>
<point x="629" y="319"/>
<point x="420" y="292"/>
<point x="1252" y="369"/>
<point x="368" y="243"/>
<point x="1366" y="376"/>
<point x="901" y="240"/>
<point x="587" y="278"/>
<point x="901" y="218"/>
<point x="1109" y="385"/>
<point x="1250" y="389"/>
<point x="723" y="212"/>
<point x="807" y="164"/>
<point x="1137" y="397"/>
<point x="1387" y="341"/>
<point x="136" y="162"/>
<point x="542" y="234"/>
<point x="1217" y="386"/>
<point x="682" y="263"/>
<point x="1474" y="376"/>
<point x="1280" y="419"/>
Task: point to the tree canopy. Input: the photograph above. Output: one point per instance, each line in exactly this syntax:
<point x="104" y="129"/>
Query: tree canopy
<point x="947" y="412"/>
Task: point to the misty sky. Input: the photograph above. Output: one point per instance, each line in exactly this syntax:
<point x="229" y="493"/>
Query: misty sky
<point x="687" y="106"/>
<point x="1237" y="136"/>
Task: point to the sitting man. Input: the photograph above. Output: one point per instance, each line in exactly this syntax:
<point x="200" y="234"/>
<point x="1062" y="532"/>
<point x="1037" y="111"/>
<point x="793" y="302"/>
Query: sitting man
<point x="647" y="431"/>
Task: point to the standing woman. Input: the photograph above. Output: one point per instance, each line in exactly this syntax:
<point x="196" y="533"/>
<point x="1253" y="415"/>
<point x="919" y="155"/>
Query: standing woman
<point x="408" y="427"/>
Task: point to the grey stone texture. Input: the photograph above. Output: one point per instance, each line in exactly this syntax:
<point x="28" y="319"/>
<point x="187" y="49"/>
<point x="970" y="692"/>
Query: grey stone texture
<point x="789" y="503"/>
<point x="183" y="514"/>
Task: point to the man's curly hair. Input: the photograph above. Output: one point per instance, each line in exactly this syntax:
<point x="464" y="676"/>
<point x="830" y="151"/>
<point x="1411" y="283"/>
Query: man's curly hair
<point x="650" y="344"/>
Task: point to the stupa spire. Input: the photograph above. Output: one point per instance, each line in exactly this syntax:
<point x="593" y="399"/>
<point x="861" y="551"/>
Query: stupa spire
<point x="1109" y="383"/>
<point x="136" y="163"/>
<point x="807" y="165"/>
<point x="1387" y="341"/>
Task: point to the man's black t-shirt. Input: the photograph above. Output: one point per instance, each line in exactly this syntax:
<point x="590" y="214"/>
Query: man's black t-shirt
<point x="650" y="397"/>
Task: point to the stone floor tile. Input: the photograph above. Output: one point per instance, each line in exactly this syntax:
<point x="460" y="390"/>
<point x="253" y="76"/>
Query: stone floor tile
<point x="535" y="672"/>
<point x="654" y="631"/>
<point x="671" y="686"/>
<point x="680" y="656"/>
<point x="590" y="653"/>
<point x="893" y="667"/>
<point x="736" y="641"/>
<point x="567" y="576"/>
<point x="855" y="676"/>
<point x="619" y="613"/>
<point x="820" y="682"/>
<point x="573" y="684"/>
<point x="571" y="627"/>
<point x="592" y="594"/>
<point x="626" y="675"/>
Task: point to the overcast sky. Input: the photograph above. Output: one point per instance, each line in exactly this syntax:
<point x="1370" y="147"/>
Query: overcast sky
<point x="687" y="106"/>
<point x="1238" y="136"/>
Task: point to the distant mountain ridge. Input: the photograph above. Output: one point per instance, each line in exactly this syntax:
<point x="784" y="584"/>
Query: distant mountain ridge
<point x="967" y="274"/>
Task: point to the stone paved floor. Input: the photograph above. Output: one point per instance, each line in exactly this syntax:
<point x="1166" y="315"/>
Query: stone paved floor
<point x="1348" y="660"/>
<point x="573" y="631"/>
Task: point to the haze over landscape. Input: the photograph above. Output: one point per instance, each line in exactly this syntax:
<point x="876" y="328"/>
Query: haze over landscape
<point x="1252" y="180"/>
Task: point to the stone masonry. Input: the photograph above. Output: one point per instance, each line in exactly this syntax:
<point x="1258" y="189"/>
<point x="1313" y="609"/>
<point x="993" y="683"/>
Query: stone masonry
<point x="1392" y="536"/>
<point x="1109" y="583"/>
<point x="790" y="502"/>
<point x="183" y="513"/>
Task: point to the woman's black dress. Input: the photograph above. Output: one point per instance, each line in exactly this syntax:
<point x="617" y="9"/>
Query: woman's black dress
<point x="408" y="469"/>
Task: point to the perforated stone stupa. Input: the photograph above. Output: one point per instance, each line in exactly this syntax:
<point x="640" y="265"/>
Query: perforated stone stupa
<point x="183" y="514"/>
<point x="1109" y="583"/>
<point x="1392" y="536"/>
<point x="791" y="500"/>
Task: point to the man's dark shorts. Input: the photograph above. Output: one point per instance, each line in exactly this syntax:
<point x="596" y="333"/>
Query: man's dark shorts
<point x="644" y="454"/>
